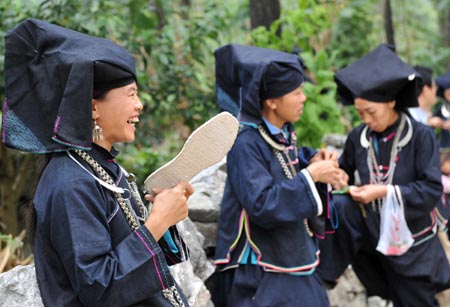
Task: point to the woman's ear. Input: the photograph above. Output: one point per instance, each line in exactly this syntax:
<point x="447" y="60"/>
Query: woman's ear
<point x="271" y="103"/>
<point x="95" y="113"/>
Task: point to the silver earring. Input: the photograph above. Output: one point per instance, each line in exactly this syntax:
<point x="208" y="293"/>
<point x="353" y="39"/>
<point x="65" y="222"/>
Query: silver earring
<point x="97" y="132"/>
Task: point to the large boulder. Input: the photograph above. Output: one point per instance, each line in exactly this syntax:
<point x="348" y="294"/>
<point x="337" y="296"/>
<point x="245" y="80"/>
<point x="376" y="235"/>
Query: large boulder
<point x="18" y="287"/>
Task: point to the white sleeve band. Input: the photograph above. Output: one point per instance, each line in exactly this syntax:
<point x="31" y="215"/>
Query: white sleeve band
<point x="313" y="188"/>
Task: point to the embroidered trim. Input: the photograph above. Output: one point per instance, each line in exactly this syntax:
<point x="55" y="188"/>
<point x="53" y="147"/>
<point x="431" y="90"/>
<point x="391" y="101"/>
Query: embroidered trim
<point x="402" y="143"/>
<point x="244" y="224"/>
<point x="444" y="110"/>
<point x="375" y="175"/>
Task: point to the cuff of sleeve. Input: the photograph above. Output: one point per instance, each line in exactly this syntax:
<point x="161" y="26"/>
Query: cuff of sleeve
<point x="313" y="188"/>
<point x="147" y="239"/>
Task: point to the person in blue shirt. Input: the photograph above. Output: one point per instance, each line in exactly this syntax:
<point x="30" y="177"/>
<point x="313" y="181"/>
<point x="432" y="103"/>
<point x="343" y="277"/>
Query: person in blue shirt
<point x="276" y="195"/>
<point x="426" y="96"/>
<point x="72" y="97"/>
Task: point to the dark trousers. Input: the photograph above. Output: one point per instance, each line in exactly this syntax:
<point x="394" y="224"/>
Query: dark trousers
<point x="406" y="282"/>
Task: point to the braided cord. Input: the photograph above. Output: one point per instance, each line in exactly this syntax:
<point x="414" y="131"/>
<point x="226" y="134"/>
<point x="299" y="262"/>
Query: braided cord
<point x="279" y="150"/>
<point x="376" y="177"/>
<point x="127" y="210"/>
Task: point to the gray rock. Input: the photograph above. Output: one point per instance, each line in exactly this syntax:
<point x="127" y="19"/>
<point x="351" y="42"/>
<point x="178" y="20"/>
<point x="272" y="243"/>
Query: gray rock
<point x="18" y="287"/>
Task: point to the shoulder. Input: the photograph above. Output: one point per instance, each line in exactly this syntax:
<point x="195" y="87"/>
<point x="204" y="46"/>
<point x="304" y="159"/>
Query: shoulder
<point x="248" y="136"/>
<point x="422" y="130"/>
<point x="249" y="143"/>
<point x="64" y="173"/>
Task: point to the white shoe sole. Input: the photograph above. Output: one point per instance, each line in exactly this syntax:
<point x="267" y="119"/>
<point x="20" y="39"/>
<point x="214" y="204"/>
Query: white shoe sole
<point x="206" y="146"/>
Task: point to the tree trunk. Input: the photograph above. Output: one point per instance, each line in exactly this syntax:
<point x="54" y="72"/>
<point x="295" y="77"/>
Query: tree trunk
<point x="264" y="12"/>
<point x="445" y="26"/>
<point x="185" y="4"/>
<point x="158" y="6"/>
<point x="388" y="25"/>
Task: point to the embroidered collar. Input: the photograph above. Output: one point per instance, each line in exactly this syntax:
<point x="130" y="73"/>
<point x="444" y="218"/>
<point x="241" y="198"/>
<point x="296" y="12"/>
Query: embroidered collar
<point x="364" y="138"/>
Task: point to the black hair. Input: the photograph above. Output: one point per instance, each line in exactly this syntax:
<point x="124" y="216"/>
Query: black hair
<point x="99" y="94"/>
<point x="427" y="77"/>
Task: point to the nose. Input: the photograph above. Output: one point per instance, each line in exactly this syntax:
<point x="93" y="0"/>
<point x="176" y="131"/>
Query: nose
<point x="367" y="120"/>
<point x="138" y="105"/>
<point x="303" y="98"/>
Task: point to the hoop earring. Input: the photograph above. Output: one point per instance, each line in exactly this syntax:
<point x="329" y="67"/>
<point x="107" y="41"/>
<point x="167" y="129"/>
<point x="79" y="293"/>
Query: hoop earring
<point x="97" y="132"/>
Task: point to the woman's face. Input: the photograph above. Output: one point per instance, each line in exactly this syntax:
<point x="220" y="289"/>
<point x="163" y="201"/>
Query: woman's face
<point x="378" y="116"/>
<point x="286" y="108"/>
<point x="429" y="94"/>
<point x="117" y="113"/>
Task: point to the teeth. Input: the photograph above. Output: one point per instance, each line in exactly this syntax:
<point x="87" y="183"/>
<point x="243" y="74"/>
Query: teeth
<point x="132" y="121"/>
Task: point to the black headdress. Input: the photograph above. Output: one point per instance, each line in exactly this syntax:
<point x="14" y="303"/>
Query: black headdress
<point x="379" y="76"/>
<point x="245" y="75"/>
<point x="49" y="79"/>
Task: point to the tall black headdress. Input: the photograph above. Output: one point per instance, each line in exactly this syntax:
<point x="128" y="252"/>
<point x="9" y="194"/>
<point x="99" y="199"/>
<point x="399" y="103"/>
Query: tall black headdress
<point x="49" y="79"/>
<point x="245" y="75"/>
<point x="379" y="76"/>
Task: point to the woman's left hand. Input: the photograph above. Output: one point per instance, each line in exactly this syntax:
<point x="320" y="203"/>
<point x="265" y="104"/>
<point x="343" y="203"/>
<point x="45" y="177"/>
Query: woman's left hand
<point x="367" y="193"/>
<point x="342" y="180"/>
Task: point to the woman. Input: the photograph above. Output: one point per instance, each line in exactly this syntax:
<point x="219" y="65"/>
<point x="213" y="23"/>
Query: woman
<point x="275" y="200"/>
<point x="96" y="244"/>
<point x="388" y="149"/>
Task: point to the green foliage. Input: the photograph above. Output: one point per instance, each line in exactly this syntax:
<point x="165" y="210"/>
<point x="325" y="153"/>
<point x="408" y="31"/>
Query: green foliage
<point x="418" y="36"/>
<point x="173" y="46"/>
<point x="354" y="32"/>
<point x="321" y="113"/>
<point x="140" y="161"/>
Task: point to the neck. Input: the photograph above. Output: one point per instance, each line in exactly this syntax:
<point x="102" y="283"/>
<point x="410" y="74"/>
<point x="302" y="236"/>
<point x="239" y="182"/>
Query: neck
<point x="393" y="118"/>
<point x="271" y="118"/>
<point x="103" y="144"/>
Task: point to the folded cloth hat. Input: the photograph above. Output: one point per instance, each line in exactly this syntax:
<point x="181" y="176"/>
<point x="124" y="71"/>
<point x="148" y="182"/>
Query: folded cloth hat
<point x="379" y="76"/>
<point x="443" y="83"/>
<point x="245" y="75"/>
<point x="108" y="76"/>
<point x="49" y="77"/>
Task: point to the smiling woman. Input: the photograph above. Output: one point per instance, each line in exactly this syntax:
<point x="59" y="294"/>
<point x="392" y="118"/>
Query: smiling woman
<point x="116" y="113"/>
<point x="96" y="244"/>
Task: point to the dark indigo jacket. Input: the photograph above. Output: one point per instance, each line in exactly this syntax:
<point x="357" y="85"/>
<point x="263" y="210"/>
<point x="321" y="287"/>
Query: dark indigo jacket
<point x="85" y="252"/>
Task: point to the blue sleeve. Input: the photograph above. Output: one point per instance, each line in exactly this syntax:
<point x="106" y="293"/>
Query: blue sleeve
<point x="100" y="274"/>
<point x="268" y="199"/>
<point x="304" y="156"/>
<point x="422" y="194"/>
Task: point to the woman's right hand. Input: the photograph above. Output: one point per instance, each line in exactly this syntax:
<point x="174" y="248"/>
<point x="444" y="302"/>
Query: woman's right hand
<point x="169" y="207"/>
<point x="325" y="171"/>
